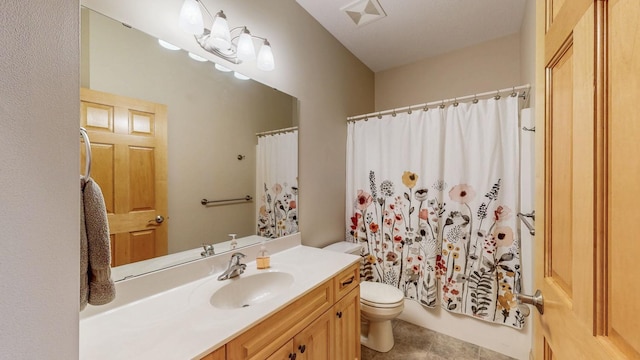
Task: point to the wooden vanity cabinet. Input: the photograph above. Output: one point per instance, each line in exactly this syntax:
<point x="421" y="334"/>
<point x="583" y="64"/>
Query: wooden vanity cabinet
<point x="324" y="324"/>
<point x="219" y="354"/>
<point x="346" y="312"/>
<point x="347" y="326"/>
<point x="284" y="353"/>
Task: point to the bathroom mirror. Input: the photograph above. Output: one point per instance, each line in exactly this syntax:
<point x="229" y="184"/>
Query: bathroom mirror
<point x="213" y="119"/>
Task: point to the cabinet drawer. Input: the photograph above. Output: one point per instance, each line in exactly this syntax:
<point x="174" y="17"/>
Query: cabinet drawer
<point x="268" y="336"/>
<point x="346" y="281"/>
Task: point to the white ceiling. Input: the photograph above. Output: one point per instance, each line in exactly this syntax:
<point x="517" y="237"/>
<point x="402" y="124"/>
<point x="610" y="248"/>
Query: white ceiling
<point x="417" y="29"/>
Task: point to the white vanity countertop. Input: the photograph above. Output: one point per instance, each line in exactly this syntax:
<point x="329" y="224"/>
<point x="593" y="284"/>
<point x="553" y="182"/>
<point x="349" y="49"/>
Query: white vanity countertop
<point x="181" y="323"/>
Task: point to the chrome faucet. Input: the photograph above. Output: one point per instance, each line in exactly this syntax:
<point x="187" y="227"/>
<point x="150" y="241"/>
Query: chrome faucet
<point x="235" y="268"/>
<point x="208" y="250"/>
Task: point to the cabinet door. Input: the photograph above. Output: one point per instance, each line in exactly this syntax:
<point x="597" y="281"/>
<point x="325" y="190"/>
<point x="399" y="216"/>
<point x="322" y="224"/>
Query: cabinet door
<point x="216" y="355"/>
<point x="347" y="326"/>
<point x="284" y="353"/>
<point x="315" y="341"/>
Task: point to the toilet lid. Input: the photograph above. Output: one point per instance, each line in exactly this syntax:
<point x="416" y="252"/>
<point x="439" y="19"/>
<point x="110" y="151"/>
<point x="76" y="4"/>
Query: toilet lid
<point x="378" y="293"/>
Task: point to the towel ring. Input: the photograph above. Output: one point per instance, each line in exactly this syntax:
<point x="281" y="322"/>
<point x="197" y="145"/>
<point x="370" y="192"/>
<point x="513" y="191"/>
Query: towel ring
<point x="87" y="146"/>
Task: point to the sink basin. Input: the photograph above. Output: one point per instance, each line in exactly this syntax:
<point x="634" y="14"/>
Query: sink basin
<point x="245" y="291"/>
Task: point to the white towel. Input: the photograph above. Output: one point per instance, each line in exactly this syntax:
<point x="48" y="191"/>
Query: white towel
<point x="101" y="288"/>
<point x="84" y="253"/>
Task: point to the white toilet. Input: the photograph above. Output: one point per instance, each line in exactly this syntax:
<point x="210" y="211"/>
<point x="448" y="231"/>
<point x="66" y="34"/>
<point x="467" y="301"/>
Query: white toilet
<point x="379" y="304"/>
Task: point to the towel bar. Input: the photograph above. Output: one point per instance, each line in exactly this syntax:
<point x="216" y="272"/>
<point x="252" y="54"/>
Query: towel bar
<point x="206" y="202"/>
<point x="530" y="227"/>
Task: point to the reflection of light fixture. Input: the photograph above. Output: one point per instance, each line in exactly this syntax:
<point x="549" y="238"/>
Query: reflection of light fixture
<point x="240" y="76"/>
<point x="234" y="45"/>
<point x="221" y="68"/>
<point x="197" y="57"/>
<point x="167" y="45"/>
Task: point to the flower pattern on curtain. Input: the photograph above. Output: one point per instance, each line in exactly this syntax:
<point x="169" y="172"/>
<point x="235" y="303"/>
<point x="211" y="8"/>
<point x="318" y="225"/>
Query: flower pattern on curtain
<point x="277" y="184"/>
<point x="432" y="197"/>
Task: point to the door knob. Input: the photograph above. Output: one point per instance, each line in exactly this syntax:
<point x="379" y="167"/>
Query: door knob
<point x="158" y="220"/>
<point x="536" y="300"/>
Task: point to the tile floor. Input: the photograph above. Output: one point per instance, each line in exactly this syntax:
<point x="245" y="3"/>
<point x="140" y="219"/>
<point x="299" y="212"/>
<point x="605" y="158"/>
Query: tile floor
<point x="417" y="343"/>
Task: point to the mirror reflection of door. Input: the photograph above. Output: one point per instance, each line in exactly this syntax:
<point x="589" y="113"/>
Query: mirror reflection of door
<point x="129" y="162"/>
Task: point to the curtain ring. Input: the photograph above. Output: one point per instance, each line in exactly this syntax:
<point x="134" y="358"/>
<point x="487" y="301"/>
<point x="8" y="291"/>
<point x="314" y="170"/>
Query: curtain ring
<point x="442" y="105"/>
<point x="409" y="112"/>
<point x="393" y="113"/>
<point x="425" y="108"/>
<point x="455" y="102"/>
<point x="497" y="97"/>
<point x="379" y="115"/>
<point x="513" y="92"/>
<point x="475" y="98"/>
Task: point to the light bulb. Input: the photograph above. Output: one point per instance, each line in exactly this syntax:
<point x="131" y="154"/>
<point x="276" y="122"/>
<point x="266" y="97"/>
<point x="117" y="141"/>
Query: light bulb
<point x="265" y="57"/>
<point x="220" y="37"/>
<point x="246" y="51"/>
<point x="191" y="17"/>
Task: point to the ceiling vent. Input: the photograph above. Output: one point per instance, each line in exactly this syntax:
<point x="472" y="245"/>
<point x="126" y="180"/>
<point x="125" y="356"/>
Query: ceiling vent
<point x="364" y="11"/>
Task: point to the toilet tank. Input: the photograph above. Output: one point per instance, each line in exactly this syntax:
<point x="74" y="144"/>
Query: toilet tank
<point x="345" y="247"/>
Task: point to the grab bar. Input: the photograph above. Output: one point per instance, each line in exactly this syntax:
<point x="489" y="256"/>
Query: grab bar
<point x="532" y="229"/>
<point x="206" y="202"/>
<point x="87" y="145"/>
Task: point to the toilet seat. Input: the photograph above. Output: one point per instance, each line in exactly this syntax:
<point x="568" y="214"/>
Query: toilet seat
<point x="380" y="295"/>
<point x="381" y="306"/>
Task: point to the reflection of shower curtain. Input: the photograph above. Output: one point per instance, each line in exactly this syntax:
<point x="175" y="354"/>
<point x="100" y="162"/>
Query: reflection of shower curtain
<point x="277" y="184"/>
<point x="432" y="196"/>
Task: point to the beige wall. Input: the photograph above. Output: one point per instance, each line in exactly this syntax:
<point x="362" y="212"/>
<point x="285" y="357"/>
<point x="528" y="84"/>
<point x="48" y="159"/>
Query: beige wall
<point x="312" y="65"/>
<point x="212" y="118"/>
<point x="39" y="197"/>
<point x="528" y="49"/>
<point x="485" y="67"/>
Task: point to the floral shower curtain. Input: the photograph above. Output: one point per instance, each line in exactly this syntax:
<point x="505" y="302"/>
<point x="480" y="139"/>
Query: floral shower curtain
<point x="277" y="184"/>
<point x="432" y="195"/>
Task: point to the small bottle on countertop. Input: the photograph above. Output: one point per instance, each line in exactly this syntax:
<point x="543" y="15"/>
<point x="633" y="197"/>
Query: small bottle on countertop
<point x="234" y="243"/>
<point x="263" y="260"/>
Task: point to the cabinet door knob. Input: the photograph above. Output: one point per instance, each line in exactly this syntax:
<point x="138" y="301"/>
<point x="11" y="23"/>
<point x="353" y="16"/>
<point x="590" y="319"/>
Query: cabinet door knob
<point x="339" y="314"/>
<point x="302" y="348"/>
<point x="292" y="356"/>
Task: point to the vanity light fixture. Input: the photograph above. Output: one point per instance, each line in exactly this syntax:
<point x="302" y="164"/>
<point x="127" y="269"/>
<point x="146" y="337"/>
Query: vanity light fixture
<point x="235" y="45"/>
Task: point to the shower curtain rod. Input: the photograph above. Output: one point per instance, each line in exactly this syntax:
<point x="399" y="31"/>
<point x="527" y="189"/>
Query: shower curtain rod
<point x="513" y="91"/>
<point x="272" y="132"/>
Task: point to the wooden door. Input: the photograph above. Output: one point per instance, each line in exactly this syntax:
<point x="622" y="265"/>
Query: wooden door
<point x="315" y="341"/>
<point x="129" y="162"/>
<point x="622" y="303"/>
<point x="585" y="193"/>
<point x="347" y="326"/>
